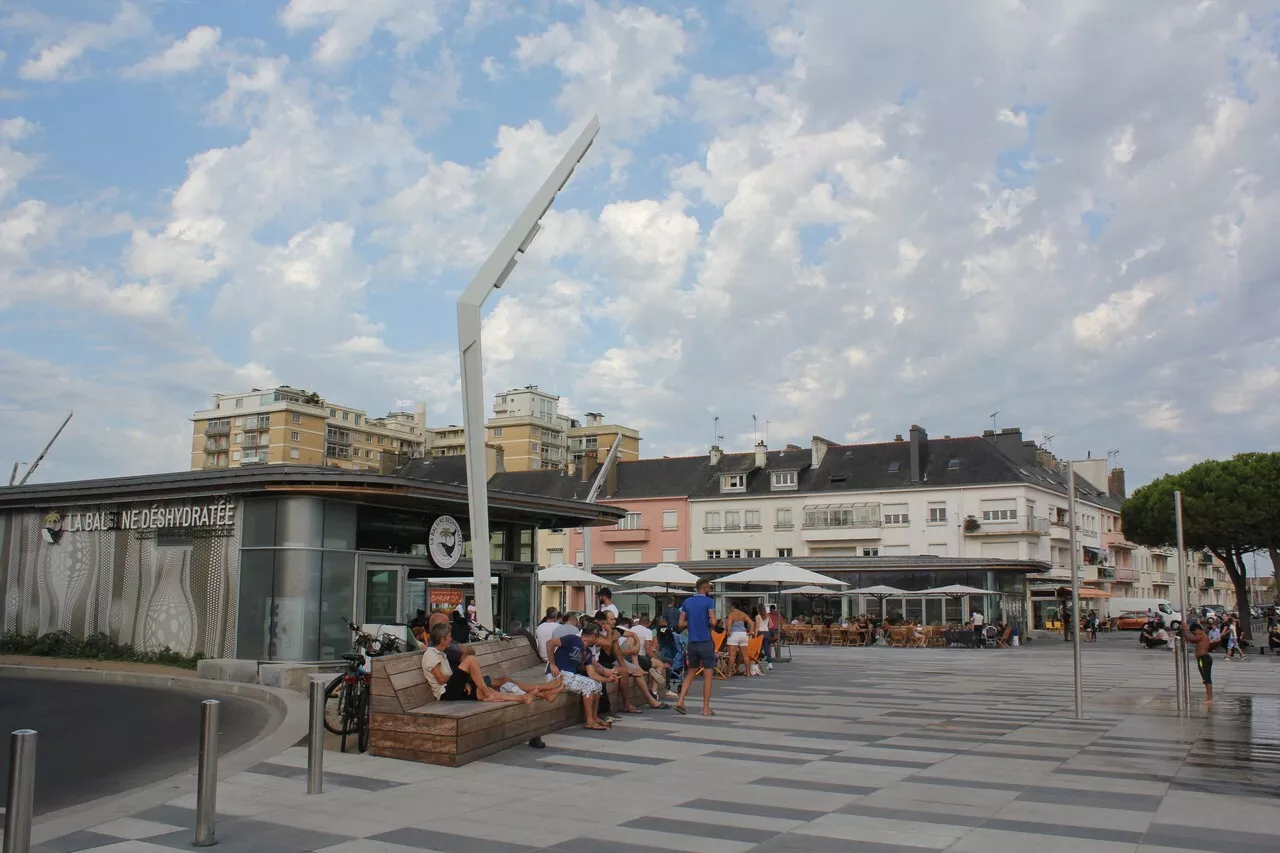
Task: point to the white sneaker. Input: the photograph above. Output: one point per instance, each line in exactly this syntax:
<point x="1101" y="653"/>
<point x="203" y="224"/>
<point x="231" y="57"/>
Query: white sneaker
<point x="512" y="688"/>
<point x="769" y="666"/>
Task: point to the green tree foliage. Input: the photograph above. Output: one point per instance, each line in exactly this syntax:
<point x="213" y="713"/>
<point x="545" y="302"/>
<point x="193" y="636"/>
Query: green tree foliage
<point x="1229" y="507"/>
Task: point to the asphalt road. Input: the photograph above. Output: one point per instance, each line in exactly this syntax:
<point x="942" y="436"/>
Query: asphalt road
<point x="102" y="739"/>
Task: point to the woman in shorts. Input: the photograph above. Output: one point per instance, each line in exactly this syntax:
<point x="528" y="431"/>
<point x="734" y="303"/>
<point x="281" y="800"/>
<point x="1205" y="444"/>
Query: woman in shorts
<point x="741" y="629"/>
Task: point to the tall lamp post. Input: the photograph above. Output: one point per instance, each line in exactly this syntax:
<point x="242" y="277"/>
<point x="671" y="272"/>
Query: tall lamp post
<point x="491" y="277"/>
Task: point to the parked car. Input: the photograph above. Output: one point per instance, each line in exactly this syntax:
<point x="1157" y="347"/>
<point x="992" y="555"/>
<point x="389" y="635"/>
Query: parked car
<point x="1217" y="611"/>
<point x="1131" y="620"/>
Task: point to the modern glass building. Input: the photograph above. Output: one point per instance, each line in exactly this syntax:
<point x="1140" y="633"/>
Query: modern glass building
<point x="262" y="563"/>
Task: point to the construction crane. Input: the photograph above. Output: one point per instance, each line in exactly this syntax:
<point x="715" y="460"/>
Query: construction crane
<point x="36" y="464"/>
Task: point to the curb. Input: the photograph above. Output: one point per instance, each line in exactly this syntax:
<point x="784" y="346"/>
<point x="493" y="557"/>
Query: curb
<point x="287" y="726"/>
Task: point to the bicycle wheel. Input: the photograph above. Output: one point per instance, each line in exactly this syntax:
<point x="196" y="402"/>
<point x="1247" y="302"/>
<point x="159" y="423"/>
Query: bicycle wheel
<point x="335" y="706"/>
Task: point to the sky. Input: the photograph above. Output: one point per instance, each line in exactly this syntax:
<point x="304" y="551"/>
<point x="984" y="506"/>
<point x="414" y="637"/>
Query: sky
<point x="840" y="218"/>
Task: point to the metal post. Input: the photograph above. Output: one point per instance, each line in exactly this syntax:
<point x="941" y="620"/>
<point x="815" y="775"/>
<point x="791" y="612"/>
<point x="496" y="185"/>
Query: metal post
<point x="207" y="779"/>
<point x="315" y="739"/>
<point x="1075" y="589"/>
<point x="22" y="790"/>
<point x="1184" y="681"/>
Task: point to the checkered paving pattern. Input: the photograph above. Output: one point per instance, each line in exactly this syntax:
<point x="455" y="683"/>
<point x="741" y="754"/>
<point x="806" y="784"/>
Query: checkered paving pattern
<point x="843" y="750"/>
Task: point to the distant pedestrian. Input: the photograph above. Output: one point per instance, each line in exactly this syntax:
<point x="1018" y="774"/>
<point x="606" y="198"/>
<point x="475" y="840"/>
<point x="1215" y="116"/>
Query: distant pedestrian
<point x="1233" y="639"/>
<point x="697" y="615"/>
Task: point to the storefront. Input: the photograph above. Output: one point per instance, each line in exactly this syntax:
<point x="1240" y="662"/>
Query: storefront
<point x="265" y="563"/>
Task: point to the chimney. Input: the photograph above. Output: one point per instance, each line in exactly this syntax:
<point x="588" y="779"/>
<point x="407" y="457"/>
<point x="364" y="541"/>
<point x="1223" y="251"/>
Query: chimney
<point x="818" y="450"/>
<point x="1045" y="459"/>
<point x="898" y="437"/>
<point x="919" y="452"/>
<point x="762" y="454"/>
<point x="794" y="447"/>
<point x="1115" y="483"/>
<point x="589" y="465"/>
<point x="1009" y="442"/>
<point x="714" y="455"/>
<point x="572" y="467"/>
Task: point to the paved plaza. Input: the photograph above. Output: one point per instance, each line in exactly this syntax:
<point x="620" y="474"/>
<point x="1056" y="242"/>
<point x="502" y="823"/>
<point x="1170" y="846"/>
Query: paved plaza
<point x="842" y="751"/>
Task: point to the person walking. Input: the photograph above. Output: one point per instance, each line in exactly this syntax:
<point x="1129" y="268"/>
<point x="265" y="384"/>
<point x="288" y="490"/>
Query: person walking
<point x="1233" y="639"/>
<point x="697" y="615"/>
<point x="765" y="630"/>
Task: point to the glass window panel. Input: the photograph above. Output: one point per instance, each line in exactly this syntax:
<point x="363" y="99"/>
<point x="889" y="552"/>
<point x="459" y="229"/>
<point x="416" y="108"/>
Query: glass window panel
<point x="252" y="624"/>
<point x="295" y="607"/>
<point x="915" y="609"/>
<point x="339" y="526"/>
<point x="259" y="524"/>
<point x="337" y="594"/>
<point x="498" y="545"/>
<point x="893" y="608"/>
<point x="955" y="611"/>
<point x="933" y="611"/>
<point x="382" y="596"/>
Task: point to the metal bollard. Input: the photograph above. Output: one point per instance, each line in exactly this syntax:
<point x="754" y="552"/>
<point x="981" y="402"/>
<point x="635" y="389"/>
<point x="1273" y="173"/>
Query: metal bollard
<point x="22" y="789"/>
<point x="315" y="739"/>
<point x="207" y="782"/>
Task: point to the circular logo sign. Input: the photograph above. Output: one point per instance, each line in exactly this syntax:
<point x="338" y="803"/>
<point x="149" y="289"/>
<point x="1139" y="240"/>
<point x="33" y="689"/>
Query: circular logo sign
<point x="445" y="542"/>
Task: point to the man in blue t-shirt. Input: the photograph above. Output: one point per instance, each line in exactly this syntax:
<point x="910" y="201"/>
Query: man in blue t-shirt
<point x="566" y="659"/>
<point x="697" y="615"/>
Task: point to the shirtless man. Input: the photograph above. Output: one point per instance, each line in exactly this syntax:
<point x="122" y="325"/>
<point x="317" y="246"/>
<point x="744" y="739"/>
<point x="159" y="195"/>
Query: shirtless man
<point x="1204" y="660"/>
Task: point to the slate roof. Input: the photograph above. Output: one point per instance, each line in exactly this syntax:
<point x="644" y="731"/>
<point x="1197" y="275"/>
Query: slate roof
<point x="980" y="461"/>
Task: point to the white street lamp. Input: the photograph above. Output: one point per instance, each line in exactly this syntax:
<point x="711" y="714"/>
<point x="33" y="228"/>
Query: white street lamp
<point x="491" y="277"/>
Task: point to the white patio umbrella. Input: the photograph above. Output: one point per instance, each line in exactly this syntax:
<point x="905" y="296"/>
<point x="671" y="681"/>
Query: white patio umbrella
<point x="564" y="575"/>
<point x="881" y="591"/>
<point x="957" y="590"/>
<point x="808" y="589"/>
<point x="780" y="573"/>
<point x="666" y="574"/>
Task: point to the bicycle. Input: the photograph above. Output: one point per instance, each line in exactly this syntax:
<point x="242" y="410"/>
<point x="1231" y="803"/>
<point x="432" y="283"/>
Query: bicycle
<point x="346" y="704"/>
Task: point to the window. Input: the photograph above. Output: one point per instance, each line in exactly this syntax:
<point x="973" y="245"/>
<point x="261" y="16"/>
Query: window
<point x="733" y="554"/>
<point x="294" y="436"/>
<point x="239" y="422"/>
<point x="333" y="413"/>
<point x="235" y="456"/>
<point x="871" y="552"/>
<point x="784" y="552"/>
<point x="368" y="454"/>
<point x="368" y="439"/>
<point x="783" y="481"/>
<point x="632" y="521"/>
<point x="580" y="558"/>
<point x="668" y="555"/>
<point x="357" y="420"/>
<point x="937" y="513"/>
<point x="239" y="402"/>
<point x="733" y="482"/>
<point x="630" y="555"/>
<point x="896" y="514"/>
<point x="669" y="520"/>
<point x="346" y="416"/>
<point x="846" y="515"/>
<point x="555" y="556"/>
<point x="895" y="467"/>
<point x="732" y="520"/>
<point x="713" y="555"/>
<point x="999" y="515"/>
<point x="782" y="519"/>
<point x="497" y="431"/>
<point x="752" y="553"/>
<point x="296" y="418"/>
<point x="235" y="439"/>
<point x="533" y="448"/>
<point x="381" y="440"/>
<point x="293" y="453"/>
<point x="711" y="521"/>
<point x="751" y="518"/>
<point x="953" y="464"/>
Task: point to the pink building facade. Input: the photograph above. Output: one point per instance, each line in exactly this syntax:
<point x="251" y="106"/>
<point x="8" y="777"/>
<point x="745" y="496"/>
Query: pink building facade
<point x="656" y="530"/>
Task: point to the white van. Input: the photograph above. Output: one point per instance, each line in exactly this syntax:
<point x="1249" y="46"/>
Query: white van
<point x="1172" y="618"/>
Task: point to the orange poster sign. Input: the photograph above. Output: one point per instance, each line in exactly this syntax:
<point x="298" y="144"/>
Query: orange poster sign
<point x="445" y="598"/>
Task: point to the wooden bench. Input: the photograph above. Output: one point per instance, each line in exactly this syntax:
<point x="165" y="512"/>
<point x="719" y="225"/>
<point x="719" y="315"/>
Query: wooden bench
<point x="408" y="723"/>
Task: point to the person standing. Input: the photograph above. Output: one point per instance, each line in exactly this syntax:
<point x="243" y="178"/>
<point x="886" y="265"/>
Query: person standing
<point x="606" y="603"/>
<point x="546" y="630"/>
<point x="1204" y="660"/>
<point x="741" y="628"/>
<point x="976" y="621"/>
<point x="765" y="630"/>
<point x="697" y="615"/>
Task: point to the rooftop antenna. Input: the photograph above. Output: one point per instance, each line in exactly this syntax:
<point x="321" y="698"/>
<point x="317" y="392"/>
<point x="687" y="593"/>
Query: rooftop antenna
<point x="1048" y="442"/>
<point x="766" y="432"/>
<point x="993" y="419"/>
<point x="715" y="431"/>
<point x="755" y="429"/>
<point x="36" y="464"/>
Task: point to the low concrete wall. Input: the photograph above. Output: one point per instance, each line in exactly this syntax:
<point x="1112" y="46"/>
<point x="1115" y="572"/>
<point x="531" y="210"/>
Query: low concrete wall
<point x="286" y="676"/>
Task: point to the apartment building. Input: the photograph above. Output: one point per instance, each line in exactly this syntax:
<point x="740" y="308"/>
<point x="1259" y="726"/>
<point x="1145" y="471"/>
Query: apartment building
<point x="289" y="425"/>
<point x="532" y="434"/>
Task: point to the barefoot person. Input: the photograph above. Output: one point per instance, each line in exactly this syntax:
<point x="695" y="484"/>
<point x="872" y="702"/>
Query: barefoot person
<point x="464" y="683"/>
<point x="1204" y="660"/>
<point x="567" y="658"/>
<point x="697" y="615"/>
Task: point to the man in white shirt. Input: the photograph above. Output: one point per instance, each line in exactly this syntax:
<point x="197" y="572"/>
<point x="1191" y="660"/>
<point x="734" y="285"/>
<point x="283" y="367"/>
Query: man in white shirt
<point x="606" y="603"/>
<point x="545" y="631"/>
<point x="976" y="620"/>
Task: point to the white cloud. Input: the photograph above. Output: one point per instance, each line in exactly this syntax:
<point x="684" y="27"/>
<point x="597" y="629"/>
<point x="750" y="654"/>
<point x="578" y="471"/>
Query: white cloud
<point x="52" y="61"/>
<point x="185" y="54"/>
<point x="1118" y="314"/>
<point x="349" y="25"/>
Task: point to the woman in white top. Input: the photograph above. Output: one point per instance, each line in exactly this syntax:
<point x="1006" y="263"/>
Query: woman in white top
<point x="762" y="628"/>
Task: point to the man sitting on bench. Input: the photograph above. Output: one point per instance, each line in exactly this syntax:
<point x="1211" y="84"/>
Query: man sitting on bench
<point x="567" y="658"/>
<point x="466" y="682"/>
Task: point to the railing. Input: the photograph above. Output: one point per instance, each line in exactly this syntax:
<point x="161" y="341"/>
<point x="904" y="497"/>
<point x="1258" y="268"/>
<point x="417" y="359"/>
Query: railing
<point x="220" y="429"/>
<point x="1106" y="573"/>
<point x="831" y="524"/>
<point x="1165" y="578"/>
<point x="1017" y="526"/>
<point x="784" y="525"/>
<point x="751" y="527"/>
<point x="1127" y="575"/>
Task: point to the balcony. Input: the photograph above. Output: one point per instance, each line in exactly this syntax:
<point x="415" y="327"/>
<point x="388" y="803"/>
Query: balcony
<point x="1207" y="583"/>
<point x="1020" y="526"/>
<point x="624" y="534"/>
<point x="218" y="429"/>
<point x="839" y="532"/>
<point x="1123" y="543"/>
<point x="1164" y="579"/>
<point x="784" y="525"/>
<point x="1127" y="576"/>
<point x="1106" y="573"/>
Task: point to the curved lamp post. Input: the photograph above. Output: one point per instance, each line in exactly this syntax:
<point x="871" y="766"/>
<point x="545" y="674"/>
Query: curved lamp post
<point x="491" y="277"/>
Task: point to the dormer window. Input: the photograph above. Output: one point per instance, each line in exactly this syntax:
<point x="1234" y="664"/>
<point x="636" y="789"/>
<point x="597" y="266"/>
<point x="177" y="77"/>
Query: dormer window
<point x="895" y="467"/>
<point x="733" y="482"/>
<point x="783" y="481"/>
<point x="953" y="464"/>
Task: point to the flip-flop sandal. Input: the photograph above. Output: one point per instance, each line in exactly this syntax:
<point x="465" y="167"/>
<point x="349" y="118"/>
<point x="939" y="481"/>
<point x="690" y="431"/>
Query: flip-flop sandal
<point x="680" y="709"/>
<point x="709" y="714"/>
<point x="632" y="711"/>
<point x="661" y="706"/>
<point x="596" y="728"/>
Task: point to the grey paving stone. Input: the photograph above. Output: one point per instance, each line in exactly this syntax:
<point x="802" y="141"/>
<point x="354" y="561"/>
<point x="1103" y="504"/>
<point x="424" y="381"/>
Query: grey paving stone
<point x="693" y="828"/>
<point x="967" y="783"/>
<point x="814" y="785"/>
<point x="1114" y="774"/>
<point x="947" y="818"/>
<point x="75" y="842"/>
<point x="1089" y="832"/>
<point x="341" y="780"/>
<point x="241" y="835"/>
<point x="444" y="842"/>
<point x="881" y="762"/>
<point x="766" y="759"/>
<point x="594" y="845"/>
<point x="729" y="809"/>
<point x="1094" y="799"/>
<point x="795" y="843"/>
<point x="1197" y="838"/>
<point x="173" y="815"/>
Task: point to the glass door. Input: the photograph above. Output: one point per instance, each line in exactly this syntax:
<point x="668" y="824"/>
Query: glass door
<point x="382" y="589"/>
